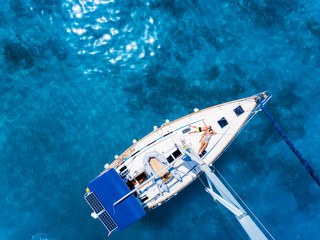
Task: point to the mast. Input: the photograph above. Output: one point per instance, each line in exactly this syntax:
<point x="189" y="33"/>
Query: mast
<point x="227" y="199"/>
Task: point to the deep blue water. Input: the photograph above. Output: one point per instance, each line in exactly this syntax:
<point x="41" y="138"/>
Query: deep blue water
<point x="81" y="78"/>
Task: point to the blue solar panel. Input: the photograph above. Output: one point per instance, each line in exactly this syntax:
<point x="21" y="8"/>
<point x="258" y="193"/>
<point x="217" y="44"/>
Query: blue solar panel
<point x="103" y="215"/>
<point x="107" y="221"/>
<point x="94" y="202"/>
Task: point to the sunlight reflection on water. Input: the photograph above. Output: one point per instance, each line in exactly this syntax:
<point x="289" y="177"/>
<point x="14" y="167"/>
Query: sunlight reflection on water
<point x="120" y="38"/>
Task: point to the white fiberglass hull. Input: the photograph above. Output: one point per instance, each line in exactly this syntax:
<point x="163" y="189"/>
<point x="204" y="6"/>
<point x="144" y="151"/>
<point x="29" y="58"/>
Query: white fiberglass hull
<point x="225" y="120"/>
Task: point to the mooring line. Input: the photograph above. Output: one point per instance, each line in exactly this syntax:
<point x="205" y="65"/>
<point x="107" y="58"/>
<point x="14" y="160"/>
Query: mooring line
<point x="290" y="144"/>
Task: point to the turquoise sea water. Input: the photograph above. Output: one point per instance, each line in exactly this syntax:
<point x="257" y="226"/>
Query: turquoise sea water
<point x="81" y="78"/>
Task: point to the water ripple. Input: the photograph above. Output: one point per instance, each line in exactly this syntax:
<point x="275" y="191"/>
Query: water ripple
<point x="119" y="32"/>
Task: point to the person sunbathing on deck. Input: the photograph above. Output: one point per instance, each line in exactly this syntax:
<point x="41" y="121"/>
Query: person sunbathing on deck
<point x="201" y="129"/>
<point x="205" y="140"/>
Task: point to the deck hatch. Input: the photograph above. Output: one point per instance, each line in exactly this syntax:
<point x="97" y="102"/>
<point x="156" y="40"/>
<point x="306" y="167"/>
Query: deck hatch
<point x="238" y="110"/>
<point x="170" y="159"/>
<point x="223" y="122"/>
<point x="176" y="153"/>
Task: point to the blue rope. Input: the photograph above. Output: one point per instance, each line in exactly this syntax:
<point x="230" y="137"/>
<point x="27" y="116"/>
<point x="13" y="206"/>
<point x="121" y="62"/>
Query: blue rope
<point x="290" y="144"/>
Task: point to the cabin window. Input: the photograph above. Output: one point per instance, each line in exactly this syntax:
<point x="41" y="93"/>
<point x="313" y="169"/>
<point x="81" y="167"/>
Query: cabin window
<point x="151" y="142"/>
<point x="186" y="130"/>
<point x="176" y="153"/>
<point x="223" y="122"/>
<point x="123" y="168"/>
<point x="144" y="198"/>
<point x="123" y="171"/>
<point x="238" y="111"/>
<point x="141" y="177"/>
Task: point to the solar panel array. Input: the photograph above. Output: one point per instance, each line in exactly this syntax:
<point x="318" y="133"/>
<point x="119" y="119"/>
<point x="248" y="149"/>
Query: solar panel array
<point x="94" y="202"/>
<point x="108" y="221"/>
<point x="98" y="208"/>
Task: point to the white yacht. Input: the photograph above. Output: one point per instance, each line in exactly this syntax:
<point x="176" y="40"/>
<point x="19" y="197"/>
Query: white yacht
<point x="160" y="165"/>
